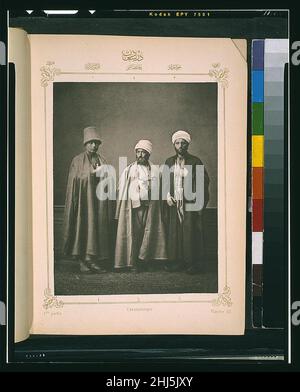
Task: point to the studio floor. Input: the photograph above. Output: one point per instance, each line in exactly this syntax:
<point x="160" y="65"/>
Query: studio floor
<point x="69" y="281"/>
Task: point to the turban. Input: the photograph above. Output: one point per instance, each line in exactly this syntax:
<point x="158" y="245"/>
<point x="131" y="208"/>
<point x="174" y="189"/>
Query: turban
<point x="90" y="133"/>
<point x="145" y="145"/>
<point x="181" y="135"/>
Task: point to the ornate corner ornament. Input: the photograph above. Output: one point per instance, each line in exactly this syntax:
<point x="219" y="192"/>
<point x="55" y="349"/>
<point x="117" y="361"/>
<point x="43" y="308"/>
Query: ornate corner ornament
<point x="174" y="67"/>
<point x="48" y="73"/>
<point x="92" y="66"/>
<point x="224" y="298"/>
<point x="51" y="301"/>
<point x="220" y="75"/>
<point x="132" y="55"/>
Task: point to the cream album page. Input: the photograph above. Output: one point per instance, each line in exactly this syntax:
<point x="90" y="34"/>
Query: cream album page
<point x="136" y="108"/>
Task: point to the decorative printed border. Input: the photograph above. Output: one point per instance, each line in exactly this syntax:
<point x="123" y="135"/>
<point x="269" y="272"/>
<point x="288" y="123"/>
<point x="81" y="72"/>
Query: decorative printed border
<point x="219" y="75"/>
<point x="51" y="300"/>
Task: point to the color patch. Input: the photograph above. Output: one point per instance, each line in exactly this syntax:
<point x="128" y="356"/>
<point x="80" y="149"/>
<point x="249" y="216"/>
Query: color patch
<point x="257" y="215"/>
<point x="257" y="247"/>
<point x="257" y="151"/>
<point x="257" y="118"/>
<point x="258" y="55"/>
<point x="257" y="86"/>
<point x="258" y="182"/>
<point x="257" y="280"/>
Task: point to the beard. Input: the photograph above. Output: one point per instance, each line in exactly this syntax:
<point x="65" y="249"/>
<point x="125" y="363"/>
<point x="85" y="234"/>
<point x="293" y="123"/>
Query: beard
<point x="181" y="151"/>
<point x="142" y="161"/>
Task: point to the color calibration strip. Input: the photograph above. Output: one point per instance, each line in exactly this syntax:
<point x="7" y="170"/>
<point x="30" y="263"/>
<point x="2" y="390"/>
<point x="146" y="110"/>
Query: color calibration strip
<point x="269" y="124"/>
<point x="257" y="163"/>
<point x="275" y="123"/>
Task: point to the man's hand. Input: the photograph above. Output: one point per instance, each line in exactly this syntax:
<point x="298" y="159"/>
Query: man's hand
<point x="170" y="200"/>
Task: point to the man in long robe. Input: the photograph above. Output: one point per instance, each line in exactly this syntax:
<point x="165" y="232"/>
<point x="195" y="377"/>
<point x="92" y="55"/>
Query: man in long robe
<point x="185" y="227"/>
<point x="87" y="220"/>
<point x="140" y="231"/>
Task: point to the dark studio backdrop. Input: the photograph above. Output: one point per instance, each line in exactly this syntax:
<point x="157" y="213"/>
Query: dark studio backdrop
<point x="127" y="112"/>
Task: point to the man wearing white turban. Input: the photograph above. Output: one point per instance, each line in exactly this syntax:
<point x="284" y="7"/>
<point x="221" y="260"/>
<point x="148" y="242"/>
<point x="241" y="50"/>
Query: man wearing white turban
<point x="140" y="231"/>
<point x="184" y="226"/>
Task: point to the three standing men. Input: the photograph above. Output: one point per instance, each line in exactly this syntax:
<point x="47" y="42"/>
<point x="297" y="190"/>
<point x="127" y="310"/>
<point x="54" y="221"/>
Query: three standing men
<point x="141" y="234"/>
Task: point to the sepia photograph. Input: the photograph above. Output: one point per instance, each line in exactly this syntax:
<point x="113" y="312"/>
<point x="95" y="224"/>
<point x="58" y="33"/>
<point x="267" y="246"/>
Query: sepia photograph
<point x="149" y="234"/>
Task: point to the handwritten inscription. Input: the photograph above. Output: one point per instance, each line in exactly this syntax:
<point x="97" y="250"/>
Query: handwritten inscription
<point x="130" y="309"/>
<point x="132" y="55"/>
<point x="217" y="311"/>
<point x="174" y="67"/>
<point x="134" y="67"/>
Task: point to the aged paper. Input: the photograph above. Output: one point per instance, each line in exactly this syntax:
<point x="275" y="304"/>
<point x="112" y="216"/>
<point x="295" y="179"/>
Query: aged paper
<point x="19" y="54"/>
<point x="99" y="59"/>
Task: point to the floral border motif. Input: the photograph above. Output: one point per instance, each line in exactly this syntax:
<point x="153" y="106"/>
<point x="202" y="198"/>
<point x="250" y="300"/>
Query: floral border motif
<point x="51" y="301"/>
<point x="219" y="74"/>
<point x="48" y="73"/>
<point x="224" y="298"/>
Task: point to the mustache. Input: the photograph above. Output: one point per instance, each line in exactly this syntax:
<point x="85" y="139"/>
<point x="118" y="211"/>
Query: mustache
<point x="142" y="160"/>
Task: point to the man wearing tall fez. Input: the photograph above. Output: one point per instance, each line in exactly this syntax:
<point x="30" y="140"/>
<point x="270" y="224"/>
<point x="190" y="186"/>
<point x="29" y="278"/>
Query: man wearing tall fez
<point x="184" y="223"/>
<point x="86" y="234"/>
<point x="140" y="231"/>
